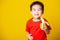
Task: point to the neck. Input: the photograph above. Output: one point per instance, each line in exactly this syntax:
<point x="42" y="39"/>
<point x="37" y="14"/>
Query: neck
<point x="36" y="19"/>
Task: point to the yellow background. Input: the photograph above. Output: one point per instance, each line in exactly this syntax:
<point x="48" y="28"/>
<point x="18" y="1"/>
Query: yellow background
<point x="15" y="13"/>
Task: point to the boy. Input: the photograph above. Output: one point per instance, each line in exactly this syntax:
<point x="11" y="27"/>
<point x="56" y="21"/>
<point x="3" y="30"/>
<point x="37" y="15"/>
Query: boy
<point x="37" y="27"/>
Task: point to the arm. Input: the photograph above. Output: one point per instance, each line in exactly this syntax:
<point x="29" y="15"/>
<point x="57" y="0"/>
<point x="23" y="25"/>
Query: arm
<point x="29" y="36"/>
<point x="47" y="27"/>
<point x="47" y="31"/>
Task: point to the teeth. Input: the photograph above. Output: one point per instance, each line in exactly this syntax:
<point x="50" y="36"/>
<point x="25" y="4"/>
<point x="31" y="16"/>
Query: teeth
<point x="36" y="14"/>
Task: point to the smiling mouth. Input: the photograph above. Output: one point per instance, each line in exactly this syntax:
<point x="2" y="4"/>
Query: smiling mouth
<point x="36" y="14"/>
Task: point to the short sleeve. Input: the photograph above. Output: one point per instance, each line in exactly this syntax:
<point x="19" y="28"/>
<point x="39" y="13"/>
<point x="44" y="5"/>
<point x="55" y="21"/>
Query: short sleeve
<point x="47" y="24"/>
<point x="27" y="27"/>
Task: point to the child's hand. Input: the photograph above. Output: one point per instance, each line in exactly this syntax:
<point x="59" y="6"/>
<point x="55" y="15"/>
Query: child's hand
<point x="47" y="31"/>
<point x="30" y="37"/>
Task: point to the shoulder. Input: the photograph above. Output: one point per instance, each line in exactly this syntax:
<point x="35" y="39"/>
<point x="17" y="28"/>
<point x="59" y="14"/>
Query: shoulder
<point x="45" y="19"/>
<point x="29" y="21"/>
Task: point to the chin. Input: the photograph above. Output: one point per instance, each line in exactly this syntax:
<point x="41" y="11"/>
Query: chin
<point x="36" y="17"/>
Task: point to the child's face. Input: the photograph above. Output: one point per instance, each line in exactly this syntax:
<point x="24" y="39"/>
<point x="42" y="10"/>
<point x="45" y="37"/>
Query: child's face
<point x="36" y="11"/>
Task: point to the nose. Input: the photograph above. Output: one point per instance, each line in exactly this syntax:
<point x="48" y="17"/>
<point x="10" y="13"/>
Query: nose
<point x="36" y="11"/>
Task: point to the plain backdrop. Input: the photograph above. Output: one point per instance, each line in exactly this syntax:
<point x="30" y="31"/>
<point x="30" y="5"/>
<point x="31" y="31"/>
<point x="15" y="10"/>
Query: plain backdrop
<point x="15" y="13"/>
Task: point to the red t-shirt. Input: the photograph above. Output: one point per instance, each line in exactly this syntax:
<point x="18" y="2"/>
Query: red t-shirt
<point x="34" y="29"/>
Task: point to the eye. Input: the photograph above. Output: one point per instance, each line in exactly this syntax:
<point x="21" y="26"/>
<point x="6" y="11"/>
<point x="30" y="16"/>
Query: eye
<point x="39" y="9"/>
<point x="34" y="9"/>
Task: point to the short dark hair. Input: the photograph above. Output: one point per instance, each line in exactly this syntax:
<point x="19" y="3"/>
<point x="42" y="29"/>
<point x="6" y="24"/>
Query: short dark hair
<point x="39" y="3"/>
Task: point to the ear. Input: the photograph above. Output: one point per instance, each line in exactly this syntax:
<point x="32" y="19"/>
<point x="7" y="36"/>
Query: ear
<point x="30" y="12"/>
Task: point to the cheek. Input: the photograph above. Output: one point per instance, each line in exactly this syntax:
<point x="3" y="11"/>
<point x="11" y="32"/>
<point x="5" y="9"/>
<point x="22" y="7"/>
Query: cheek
<point x="40" y="12"/>
<point x="33" y="12"/>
